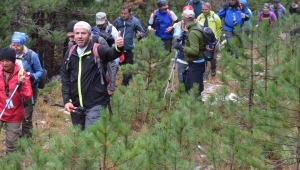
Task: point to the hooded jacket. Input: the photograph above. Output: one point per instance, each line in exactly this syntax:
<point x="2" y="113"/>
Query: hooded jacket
<point x="128" y="30"/>
<point x="232" y="15"/>
<point x="81" y="80"/>
<point x="15" y="114"/>
<point x="194" y="46"/>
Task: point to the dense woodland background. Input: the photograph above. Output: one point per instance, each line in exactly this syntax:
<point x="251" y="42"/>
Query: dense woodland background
<point x="45" y="21"/>
<point x="259" y="128"/>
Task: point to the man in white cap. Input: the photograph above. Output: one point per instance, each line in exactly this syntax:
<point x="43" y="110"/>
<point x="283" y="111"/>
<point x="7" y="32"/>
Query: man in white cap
<point x="105" y="29"/>
<point x="194" y="53"/>
<point x="83" y="89"/>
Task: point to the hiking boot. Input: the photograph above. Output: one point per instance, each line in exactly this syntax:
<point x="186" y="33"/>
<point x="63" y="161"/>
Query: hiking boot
<point x="213" y="72"/>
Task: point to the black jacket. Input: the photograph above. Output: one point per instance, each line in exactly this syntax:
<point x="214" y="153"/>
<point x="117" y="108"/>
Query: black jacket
<point x="83" y="86"/>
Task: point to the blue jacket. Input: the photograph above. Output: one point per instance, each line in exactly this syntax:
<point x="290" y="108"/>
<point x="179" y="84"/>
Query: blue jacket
<point x="128" y="30"/>
<point x="233" y="15"/>
<point x="161" y="22"/>
<point x="35" y="68"/>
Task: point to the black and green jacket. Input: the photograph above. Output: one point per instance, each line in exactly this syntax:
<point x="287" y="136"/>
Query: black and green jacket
<point x="81" y="82"/>
<point x="194" y="47"/>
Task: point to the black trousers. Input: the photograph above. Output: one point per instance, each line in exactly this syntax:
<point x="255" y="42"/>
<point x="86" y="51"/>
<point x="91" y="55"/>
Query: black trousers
<point x="128" y="55"/>
<point x="195" y="76"/>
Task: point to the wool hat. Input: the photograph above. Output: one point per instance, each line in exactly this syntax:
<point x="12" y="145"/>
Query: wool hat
<point x="70" y="26"/>
<point x="83" y="24"/>
<point x="276" y="1"/>
<point x="8" y="53"/>
<point x="100" y="18"/>
<point x="188" y="14"/>
<point x="161" y="3"/>
<point x="266" y="5"/>
<point x="19" y="38"/>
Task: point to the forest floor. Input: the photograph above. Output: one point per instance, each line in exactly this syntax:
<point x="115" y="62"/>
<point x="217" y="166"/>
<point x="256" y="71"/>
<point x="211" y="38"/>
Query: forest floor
<point x="51" y="120"/>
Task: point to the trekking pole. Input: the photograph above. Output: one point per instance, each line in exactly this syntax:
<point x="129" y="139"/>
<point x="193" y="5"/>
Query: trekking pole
<point x="171" y="73"/>
<point x="33" y="107"/>
<point x="7" y="103"/>
<point x="171" y="77"/>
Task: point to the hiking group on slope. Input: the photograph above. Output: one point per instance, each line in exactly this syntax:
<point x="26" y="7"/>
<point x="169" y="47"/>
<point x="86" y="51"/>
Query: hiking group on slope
<point x="88" y="69"/>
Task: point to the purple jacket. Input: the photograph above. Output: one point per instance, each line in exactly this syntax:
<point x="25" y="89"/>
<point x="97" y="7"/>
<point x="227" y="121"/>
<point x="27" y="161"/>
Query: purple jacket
<point x="271" y="19"/>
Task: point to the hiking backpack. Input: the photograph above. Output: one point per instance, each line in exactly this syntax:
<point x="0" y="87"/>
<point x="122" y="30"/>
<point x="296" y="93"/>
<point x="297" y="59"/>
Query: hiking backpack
<point x="96" y="32"/>
<point x="42" y="79"/>
<point x="210" y="42"/>
<point x="105" y="70"/>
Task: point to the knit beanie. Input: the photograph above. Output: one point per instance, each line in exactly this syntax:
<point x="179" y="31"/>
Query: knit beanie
<point x="19" y="38"/>
<point x="70" y="26"/>
<point x="266" y="5"/>
<point x="8" y="53"/>
<point x="83" y="24"/>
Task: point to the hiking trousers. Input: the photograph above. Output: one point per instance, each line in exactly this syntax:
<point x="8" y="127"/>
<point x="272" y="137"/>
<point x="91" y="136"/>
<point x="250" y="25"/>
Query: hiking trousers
<point x="194" y="76"/>
<point x="87" y="118"/>
<point x="27" y="122"/>
<point x="181" y="69"/>
<point x="168" y="44"/>
<point x="12" y="134"/>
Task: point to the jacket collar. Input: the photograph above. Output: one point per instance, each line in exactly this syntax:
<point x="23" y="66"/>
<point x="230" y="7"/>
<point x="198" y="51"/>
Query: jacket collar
<point x="190" y="25"/>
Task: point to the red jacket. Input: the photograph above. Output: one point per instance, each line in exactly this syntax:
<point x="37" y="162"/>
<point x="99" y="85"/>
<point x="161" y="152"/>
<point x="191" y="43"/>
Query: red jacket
<point x="15" y="114"/>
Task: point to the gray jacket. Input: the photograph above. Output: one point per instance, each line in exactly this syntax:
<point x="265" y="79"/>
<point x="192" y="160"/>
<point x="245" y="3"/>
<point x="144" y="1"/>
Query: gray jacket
<point x="280" y="11"/>
<point x="128" y="30"/>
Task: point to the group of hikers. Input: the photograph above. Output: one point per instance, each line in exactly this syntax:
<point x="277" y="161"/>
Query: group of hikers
<point x="89" y="67"/>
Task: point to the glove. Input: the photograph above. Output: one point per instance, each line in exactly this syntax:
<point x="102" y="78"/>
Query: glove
<point x="32" y="79"/>
<point x="178" y="46"/>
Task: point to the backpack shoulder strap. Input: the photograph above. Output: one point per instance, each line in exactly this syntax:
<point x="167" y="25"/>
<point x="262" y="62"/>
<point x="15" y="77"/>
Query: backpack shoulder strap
<point x="71" y="50"/>
<point x="197" y="28"/>
<point x="69" y="56"/>
<point x="133" y="22"/>
<point x="109" y="29"/>
<point x="95" y="52"/>
<point x="118" y="21"/>
<point x="169" y="13"/>
<point x="28" y="57"/>
<point x="154" y="13"/>
<point x="98" y="62"/>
